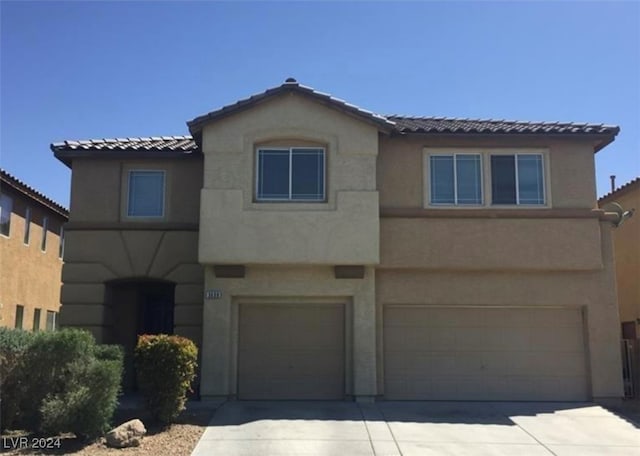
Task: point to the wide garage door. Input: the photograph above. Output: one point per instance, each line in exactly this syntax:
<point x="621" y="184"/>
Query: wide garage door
<point x="479" y="353"/>
<point x="291" y="351"/>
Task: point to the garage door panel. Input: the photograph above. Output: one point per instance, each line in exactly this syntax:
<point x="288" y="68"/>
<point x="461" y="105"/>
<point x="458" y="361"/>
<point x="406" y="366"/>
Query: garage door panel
<point x="291" y="351"/>
<point x="484" y="353"/>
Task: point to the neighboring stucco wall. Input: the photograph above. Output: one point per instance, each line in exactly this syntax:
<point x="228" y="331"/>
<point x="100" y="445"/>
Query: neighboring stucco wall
<point x="342" y="230"/>
<point x="29" y="276"/>
<point x="626" y="240"/>
<point x="293" y="284"/>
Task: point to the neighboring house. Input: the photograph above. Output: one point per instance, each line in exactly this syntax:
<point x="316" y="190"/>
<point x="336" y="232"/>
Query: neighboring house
<point x="315" y="250"/>
<point x="626" y="243"/>
<point x="31" y="248"/>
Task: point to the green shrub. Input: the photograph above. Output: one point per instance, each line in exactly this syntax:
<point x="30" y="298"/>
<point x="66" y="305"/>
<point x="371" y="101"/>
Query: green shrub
<point x="67" y="383"/>
<point x="165" y="367"/>
<point x="86" y="408"/>
<point x="13" y="345"/>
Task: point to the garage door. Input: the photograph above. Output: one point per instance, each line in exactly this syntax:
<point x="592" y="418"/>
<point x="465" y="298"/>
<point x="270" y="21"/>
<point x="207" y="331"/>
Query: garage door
<point x="291" y="351"/>
<point x="436" y="353"/>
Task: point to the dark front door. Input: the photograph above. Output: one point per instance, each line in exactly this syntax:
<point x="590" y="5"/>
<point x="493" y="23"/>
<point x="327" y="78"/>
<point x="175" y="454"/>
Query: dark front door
<point x="155" y="312"/>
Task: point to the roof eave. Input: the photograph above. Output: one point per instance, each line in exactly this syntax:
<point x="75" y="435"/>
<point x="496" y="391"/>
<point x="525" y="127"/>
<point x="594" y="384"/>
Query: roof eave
<point x="66" y="155"/>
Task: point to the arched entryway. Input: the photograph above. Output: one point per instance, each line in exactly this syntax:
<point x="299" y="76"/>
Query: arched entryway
<point x="138" y="306"/>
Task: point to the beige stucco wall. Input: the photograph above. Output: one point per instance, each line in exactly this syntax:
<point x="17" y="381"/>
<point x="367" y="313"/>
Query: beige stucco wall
<point x="342" y="230"/>
<point x="590" y="290"/>
<point x="626" y="241"/>
<point x="102" y="244"/>
<point x="99" y="188"/>
<point x="29" y="276"/>
<point x="400" y="167"/>
<point x="288" y="284"/>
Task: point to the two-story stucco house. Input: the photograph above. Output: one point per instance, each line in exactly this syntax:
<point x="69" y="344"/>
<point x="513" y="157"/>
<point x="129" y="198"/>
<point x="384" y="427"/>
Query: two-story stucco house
<point x="315" y="250"/>
<point x="31" y="249"/>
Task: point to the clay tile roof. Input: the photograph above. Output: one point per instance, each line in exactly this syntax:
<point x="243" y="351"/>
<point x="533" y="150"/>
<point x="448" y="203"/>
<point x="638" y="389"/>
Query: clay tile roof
<point x="290" y="85"/>
<point x="17" y="184"/>
<point x="634" y="183"/>
<point x="165" y="143"/>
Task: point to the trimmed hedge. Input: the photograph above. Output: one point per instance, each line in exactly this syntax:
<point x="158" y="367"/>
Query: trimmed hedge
<point x="165" y="367"/>
<point x="63" y="382"/>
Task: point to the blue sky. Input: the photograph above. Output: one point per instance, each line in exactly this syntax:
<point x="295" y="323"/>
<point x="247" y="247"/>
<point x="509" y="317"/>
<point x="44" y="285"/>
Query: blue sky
<point x="80" y="70"/>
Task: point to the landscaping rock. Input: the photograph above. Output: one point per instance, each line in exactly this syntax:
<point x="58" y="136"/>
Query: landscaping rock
<point x="128" y="434"/>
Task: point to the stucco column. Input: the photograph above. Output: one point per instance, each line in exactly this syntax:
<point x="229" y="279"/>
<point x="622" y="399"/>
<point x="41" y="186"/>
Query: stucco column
<point x="364" y="340"/>
<point x="216" y="337"/>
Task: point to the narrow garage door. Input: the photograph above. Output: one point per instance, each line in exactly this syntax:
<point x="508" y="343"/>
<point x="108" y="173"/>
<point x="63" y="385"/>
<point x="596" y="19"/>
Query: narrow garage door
<point x="436" y="353"/>
<point x="291" y="351"/>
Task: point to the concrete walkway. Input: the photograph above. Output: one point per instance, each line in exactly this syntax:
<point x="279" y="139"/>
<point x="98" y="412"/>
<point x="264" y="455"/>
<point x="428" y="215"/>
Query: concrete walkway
<point x="417" y="428"/>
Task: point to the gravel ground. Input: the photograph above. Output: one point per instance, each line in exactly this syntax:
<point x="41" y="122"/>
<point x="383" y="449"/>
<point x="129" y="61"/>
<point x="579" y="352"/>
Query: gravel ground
<point x="177" y="440"/>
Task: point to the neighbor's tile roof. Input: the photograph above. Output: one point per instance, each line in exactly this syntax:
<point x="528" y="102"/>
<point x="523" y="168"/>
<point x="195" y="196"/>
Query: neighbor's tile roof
<point x="17" y="184"/>
<point x="153" y="143"/>
<point x="408" y="125"/>
<point x="625" y="188"/>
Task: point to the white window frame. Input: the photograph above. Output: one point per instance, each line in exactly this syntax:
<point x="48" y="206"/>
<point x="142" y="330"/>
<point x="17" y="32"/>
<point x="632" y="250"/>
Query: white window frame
<point x="455" y="180"/>
<point x="258" y="199"/>
<point x="164" y="194"/>
<point x="518" y="203"/>
<point x="485" y="158"/>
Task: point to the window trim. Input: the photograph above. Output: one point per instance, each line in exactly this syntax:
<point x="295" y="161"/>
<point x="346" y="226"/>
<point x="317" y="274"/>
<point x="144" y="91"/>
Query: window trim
<point x="290" y="200"/>
<point x="455" y="180"/>
<point x="487" y="194"/>
<point x="164" y="194"/>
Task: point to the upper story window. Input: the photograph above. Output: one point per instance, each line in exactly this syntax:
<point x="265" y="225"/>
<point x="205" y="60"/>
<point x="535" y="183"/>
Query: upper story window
<point x="45" y="228"/>
<point x="146" y="193"/>
<point x="485" y="178"/>
<point x="517" y="179"/>
<point x="27" y="225"/>
<point x="456" y="179"/>
<point x="6" y="206"/>
<point x="290" y="174"/>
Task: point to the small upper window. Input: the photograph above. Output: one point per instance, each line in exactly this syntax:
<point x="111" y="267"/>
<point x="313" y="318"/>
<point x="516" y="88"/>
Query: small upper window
<point x="290" y="174"/>
<point x="146" y="194"/>
<point x="27" y="225"/>
<point x="45" y="228"/>
<point x="61" y="244"/>
<point x="456" y="179"/>
<point x="6" y="206"/>
<point x="517" y="179"/>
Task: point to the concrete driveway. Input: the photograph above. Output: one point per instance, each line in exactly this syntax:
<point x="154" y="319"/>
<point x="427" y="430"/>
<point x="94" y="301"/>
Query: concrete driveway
<point x="417" y="428"/>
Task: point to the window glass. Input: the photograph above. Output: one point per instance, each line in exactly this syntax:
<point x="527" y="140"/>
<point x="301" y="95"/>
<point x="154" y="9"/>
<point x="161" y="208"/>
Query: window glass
<point x="442" y="180"/>
<point x="273" y="174"/>
<point x="61" y="245"/>
<point x="146" y="194"/>
<point x="469" y="181"/>
<point x="307" y="174"/>
<point x="27" y="225"/>
<point x="36" y="319"/>
<point x="503" y="179"/>
<point x="19" y="316"/>
<point x="6" y="206"/>
<point x="456" y="179"/>
<point x="291" y="174"/>
<point x="530" y="180"/>
<point x="51" y="320"/>
<point x="45" y="228"/>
